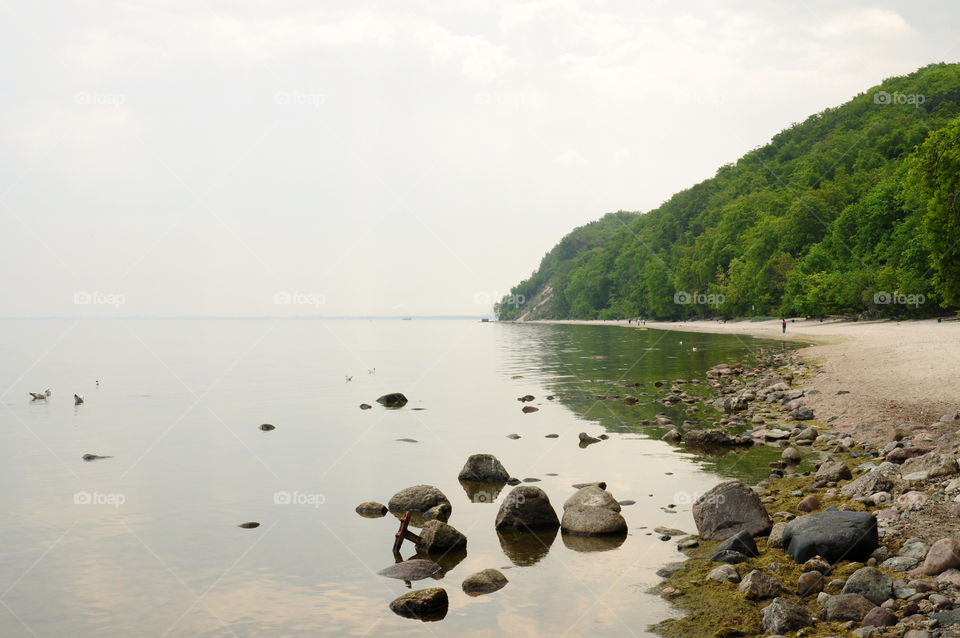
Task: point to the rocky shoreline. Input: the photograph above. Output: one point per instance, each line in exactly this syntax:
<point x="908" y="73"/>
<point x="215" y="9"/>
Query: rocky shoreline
<point x="894" y="575"/>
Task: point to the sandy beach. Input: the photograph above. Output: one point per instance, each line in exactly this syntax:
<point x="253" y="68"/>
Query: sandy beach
<point x="889" y="373"/>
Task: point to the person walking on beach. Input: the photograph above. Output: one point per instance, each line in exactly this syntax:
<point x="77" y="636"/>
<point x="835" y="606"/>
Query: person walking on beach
<point x="784" y="326"/>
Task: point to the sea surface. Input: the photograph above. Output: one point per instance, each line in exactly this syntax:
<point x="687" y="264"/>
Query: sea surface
<point x="147" y="542"/>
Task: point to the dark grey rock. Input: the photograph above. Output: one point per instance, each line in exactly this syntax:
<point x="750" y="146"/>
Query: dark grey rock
<point x="729" y="556"/>
<point x="741" y="542"/>
<point x="393" y="400"/>
<point x="832" y="534"/>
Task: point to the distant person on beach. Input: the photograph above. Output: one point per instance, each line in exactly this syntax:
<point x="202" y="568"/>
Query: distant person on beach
<point x="784" y="326"/>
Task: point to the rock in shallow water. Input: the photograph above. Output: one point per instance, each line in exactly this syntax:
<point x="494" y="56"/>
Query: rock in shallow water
<point x="413" y="569"/>
<point x="393" y="400"/>
<point x="485" y="582"/>
<point x="418" y="498"/>
<point x="729" y="508"/>
<point x="592" y="521"/>
<point x="593" y="496"/>
<point x="526" y="507"/>
<point x="422" y="604"/>
<point x="483" y="467"/>
<point x="371" y="509"/>
<point x="436" y="536"/>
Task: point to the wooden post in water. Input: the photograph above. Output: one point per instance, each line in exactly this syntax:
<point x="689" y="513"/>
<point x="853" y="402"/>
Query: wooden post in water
<point x="404" y="533"/>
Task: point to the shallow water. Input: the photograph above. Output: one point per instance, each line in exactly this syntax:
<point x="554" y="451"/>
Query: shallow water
<point x="147" y="542"/>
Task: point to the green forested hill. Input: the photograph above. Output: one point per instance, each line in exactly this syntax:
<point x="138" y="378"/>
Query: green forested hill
<point x="855" y="210"/>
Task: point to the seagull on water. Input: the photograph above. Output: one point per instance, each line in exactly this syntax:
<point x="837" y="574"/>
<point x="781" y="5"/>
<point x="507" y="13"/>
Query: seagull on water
<point x="40" y="396"/>
<point x="77" y="399"/>
<point x="372" y="371"/>
<point x="348" y="378"/>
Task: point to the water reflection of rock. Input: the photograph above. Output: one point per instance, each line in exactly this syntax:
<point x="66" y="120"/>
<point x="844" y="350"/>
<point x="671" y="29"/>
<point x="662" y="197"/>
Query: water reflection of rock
<point x="593" y="543"/>
<point x="482" y="491"/>
<point x="525" y="548"/>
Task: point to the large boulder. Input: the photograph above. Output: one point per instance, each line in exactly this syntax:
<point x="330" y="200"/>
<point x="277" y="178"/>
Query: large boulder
<point x="784" y="616"/>
<point x="483" y="468"/>
<point x="422" y="604"/>
<point x="846" y="607"/>
<point x="584" y="520"/>
<point x="871" y="583"/>
<point x="729" y="508"/>
<point x="593" y="496"/>
<point x="485" y="582"/>
<point x="436" y="536"/>
<point x="418" y="498"/>
<point x="833" y="534"/>
<point x="831" y="470"/>
<point x="932" y="464"/>
<point x="526" y="507"/>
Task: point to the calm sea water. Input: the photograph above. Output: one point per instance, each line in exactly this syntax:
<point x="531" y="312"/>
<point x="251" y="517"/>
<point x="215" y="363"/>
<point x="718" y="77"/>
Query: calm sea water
<point x="147" y="542"/>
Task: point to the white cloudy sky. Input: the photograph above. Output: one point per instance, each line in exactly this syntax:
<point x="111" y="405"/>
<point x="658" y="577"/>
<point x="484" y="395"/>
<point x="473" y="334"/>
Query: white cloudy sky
<point x="200" y="158"/>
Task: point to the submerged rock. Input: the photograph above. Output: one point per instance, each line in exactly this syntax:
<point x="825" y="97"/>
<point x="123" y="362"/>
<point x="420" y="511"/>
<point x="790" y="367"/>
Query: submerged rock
<point x="485" y="582"/>
<point x="266" y="427"/>
<point x="249" y="525"/>
<point x="729" y="508"/>
<point x="528" y="409"/>
<point x="422" y="604"/>
<point x="413" y="569"/>
<point x="94" y="457"/>
<point x="587" y="439"/>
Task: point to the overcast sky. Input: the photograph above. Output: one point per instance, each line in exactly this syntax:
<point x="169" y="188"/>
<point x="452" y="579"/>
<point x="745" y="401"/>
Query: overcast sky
<point x="188" y="158"/>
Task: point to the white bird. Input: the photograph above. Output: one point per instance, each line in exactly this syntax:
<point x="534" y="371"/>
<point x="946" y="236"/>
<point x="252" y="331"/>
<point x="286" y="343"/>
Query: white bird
<point x="372" y="371"/>
<point x="40" y="396"/>
<point x="694" y="348"/>
<point x="348" y="378"/>
<point x="77" y="399"/>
